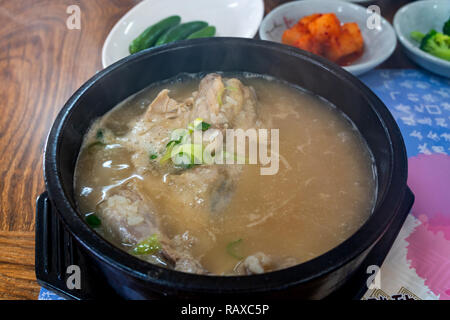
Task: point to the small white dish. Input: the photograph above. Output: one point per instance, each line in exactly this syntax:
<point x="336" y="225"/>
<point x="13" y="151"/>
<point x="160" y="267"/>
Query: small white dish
<point x="232" y="18"/>
<point x="379" y="42"/>
<point x="422" y="16"/>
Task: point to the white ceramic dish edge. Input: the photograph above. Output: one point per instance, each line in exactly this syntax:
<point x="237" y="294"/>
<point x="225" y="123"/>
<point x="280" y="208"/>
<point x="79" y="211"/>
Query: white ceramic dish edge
<point x="311" y="6"/>
<point x="425" y="60"/>
<point x="125" y="23"/>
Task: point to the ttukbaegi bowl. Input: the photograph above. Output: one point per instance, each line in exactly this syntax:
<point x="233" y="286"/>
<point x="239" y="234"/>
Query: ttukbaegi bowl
<point x="131" y="277"/>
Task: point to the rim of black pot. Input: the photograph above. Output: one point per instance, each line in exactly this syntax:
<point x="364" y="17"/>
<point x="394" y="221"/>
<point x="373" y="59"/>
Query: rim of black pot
<point x="331" y="260"/>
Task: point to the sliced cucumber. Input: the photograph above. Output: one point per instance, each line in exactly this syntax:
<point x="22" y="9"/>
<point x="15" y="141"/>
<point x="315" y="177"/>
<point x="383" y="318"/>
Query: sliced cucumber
<point x="180" y="32"/>
<point x="150" y="35"/>
<point x="206" y="32"/>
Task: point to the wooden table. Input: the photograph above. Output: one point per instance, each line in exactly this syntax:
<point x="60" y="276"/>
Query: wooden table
<point x="42" y="63"/>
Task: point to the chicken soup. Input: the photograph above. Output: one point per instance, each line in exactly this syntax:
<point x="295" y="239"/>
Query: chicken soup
<point x="143" y="182"/>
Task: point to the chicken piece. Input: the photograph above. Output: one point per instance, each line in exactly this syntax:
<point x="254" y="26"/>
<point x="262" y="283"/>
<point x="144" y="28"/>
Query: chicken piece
<point x="255" y="264"/>
<point x="127" y="216"/>
<point x="189" y="197"/>
<point x="150" y="134"/>
<point x="192" y="196"/>
<point x="207" y="101"/>
<point x="167" y="107"/>
<point x="130" y="220"/>
<point x="219" y="104"/>
<point x="239" y="105"/>
<point x="177" y="252"/>
<point x="162" y="104"/>
<point x="214" y="102"/>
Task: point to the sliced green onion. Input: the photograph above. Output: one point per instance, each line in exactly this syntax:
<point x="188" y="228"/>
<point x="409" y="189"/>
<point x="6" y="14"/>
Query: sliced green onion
<point x="180" y="150"/>
<point x="150" y="245"/>
<point x="153" y="156"/>
<point x="205" y="126"/>
<point x="172" y="143"/>
<point x="193" y="152"/>
<point x="168" y="154"/>
<point x="219" y="97"/>
<point x="418" y="36"/>
<point x="198" y="124"/>
<point x="231" y="248"/>
<point x="220" y="94"/>
<point x="99" y="135"/>
<point x="93" y="220"/>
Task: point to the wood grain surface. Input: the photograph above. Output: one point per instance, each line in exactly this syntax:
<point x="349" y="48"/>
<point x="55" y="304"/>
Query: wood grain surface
<point x="42" y="63"/>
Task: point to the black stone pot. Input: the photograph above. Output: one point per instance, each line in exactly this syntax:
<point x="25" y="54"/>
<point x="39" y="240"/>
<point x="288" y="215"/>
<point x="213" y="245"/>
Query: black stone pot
<point x="130" y="277"/>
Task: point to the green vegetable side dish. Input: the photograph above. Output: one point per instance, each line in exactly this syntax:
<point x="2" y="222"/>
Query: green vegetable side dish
<point x="418" y="36"/>
<point x="231" y="249"/>
<point x="150" y="245"/>
<point x="93" y="220"/>
<point x="435" y="43"/>
<point x="150" y="35"/>
<point x="180" y="32"/>
<point x="206" y="32"/>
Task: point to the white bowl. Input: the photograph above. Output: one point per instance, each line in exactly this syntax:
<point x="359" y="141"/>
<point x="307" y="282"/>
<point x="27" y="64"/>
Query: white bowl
<point x="422" y="16"/>
<point x="379" y="43"/>
<point x="232" y="18"/>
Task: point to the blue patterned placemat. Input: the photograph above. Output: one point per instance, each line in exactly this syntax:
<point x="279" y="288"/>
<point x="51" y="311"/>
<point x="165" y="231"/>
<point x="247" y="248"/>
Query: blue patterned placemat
<point x="45" y="294"/>
<point x="419" y="102"/>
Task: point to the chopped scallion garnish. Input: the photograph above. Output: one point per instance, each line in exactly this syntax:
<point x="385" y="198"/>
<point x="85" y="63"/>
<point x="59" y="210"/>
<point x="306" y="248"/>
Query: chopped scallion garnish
<point x="150" y="245"/>
<point x="231" y="249"/>
<point x="93" y="220"/>
<point x="205" y="126"/>
<point x="99" y="135"/>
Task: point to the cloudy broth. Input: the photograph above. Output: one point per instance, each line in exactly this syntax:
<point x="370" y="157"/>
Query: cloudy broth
<point x="322" y="193"/>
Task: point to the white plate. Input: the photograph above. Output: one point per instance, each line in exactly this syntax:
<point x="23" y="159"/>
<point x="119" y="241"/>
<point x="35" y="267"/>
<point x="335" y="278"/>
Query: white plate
<point x="379" y="43"/>
<point x="232" y="18"/>
<point x="423" y="16"/>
